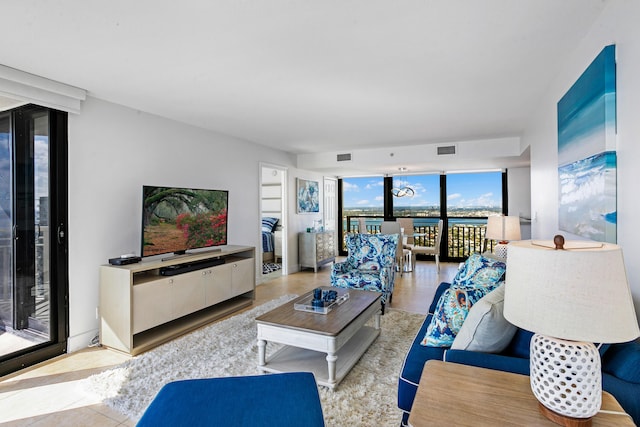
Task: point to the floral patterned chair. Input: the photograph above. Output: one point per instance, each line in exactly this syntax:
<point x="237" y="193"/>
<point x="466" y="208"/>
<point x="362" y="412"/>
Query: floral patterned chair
<point x="370" y="264"/>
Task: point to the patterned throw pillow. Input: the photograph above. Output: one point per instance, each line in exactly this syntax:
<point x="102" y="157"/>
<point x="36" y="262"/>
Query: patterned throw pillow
<point x="477" y="277"/>
<point x="451" y="311"/>
<point x="479" y="269"/>
<point x="269" y="224"/>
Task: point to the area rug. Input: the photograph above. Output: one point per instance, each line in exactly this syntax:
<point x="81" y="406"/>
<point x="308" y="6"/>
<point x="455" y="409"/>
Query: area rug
<point x="270" y="267"/>
<point x="367" y="396"/>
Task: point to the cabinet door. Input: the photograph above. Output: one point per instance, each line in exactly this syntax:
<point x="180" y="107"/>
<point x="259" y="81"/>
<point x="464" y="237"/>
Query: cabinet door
<point x="151" y="304"/>
<point x="217" y="285"/>
<point x="188" y="295"/>
<point x="242" y="276"/>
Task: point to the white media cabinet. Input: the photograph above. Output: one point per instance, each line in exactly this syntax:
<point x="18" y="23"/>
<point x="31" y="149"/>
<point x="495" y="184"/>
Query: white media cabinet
<point x="140" y="308"/>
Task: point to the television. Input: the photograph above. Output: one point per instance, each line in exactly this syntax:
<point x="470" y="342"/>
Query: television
<point x="175" y="220"/>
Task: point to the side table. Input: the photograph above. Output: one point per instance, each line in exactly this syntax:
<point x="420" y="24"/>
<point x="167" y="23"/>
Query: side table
<point x="461" y="395"/>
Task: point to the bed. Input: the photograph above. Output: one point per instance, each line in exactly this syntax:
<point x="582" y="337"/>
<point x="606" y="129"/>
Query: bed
<point x="269" y="230"/>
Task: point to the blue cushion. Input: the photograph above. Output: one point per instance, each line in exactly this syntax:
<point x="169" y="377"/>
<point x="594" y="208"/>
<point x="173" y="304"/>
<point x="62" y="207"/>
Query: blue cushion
<point x="623" y="361"/>
<point x="519" y="345"/>
<point x="496" y="362"/>
<point x="269" y="224"/>
<point x="626" y="394"/>
<point x="290" y="399"/>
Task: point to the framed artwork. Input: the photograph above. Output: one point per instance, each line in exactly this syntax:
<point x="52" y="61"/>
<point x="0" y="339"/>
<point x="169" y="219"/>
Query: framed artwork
<point x="307" y="196"/>
<point x="587" y="162"/>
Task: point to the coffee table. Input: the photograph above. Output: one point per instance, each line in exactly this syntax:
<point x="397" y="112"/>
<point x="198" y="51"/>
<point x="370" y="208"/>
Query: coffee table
<point x="328" y="345"/>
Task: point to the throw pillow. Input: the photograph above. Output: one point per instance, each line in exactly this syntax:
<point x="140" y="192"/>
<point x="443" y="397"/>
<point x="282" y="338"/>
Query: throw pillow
<point x="269" y="224"/>
<point x="485" y="329"/>
<point x="478" y="268"/>
<point x="451" y="312"/>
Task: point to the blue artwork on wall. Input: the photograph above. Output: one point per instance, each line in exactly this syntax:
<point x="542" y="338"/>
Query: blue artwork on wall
<point x="308" y="196"/>
<point x="587" y="162"/>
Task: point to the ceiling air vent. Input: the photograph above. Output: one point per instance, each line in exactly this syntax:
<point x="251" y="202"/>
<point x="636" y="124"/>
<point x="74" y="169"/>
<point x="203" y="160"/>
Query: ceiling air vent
<point x="446" y="149"/>
<point x="344" y="157"/>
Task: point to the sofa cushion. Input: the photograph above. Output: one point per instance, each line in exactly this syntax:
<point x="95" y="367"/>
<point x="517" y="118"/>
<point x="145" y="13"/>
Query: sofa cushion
<point x="451" y="312"/>
<point x="478" y="268"/>
<point x="485" y="329"/>
<point x="519" y="345"/>
<point x="623" y="361"/>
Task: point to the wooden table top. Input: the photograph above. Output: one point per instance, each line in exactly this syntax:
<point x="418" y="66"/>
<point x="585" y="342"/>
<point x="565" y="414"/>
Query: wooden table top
<point x="331" y="323"/>
<point x="461" y="395"/>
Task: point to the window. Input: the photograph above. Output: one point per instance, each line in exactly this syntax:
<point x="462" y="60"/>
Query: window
<point x="362" y="197"/>
<point x="462" y="200"/>
<point x="474" y="194"/>
<point x="416" y="196"/>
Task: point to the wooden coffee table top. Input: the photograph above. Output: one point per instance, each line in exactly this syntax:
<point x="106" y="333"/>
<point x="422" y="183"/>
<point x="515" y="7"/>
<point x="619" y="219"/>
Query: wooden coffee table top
<point x="455" y="394"/>
<point x="331" y="323"/>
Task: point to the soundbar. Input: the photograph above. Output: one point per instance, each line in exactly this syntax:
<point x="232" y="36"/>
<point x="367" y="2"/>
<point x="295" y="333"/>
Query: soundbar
<point x="172" y="270"/>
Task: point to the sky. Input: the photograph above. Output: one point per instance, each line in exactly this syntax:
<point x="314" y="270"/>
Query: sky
<point x="463" y="190"/>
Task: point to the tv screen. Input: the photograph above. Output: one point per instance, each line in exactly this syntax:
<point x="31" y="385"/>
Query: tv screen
<point x="175" y="220"/>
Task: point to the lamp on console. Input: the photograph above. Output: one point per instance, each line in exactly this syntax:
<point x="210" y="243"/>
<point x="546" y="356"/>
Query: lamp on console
<point x="571" y="296"/>
<point x="503" y="229"/>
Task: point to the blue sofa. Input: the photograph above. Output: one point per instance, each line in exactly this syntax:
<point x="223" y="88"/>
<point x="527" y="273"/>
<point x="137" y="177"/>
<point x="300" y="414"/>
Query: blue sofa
<point x="620" y="365"/>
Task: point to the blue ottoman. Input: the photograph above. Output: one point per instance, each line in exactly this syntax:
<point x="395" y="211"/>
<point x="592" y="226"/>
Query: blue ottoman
<point x="281" y="400"/>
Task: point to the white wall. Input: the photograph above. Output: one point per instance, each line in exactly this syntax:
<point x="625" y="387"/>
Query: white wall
<point x="113" y="152"/>
<point x="617" y="25"/>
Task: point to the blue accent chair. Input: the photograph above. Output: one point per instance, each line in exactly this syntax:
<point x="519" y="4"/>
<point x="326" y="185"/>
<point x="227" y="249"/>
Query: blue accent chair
<point x="277" y="400"/>
<point x="370" y="264"/>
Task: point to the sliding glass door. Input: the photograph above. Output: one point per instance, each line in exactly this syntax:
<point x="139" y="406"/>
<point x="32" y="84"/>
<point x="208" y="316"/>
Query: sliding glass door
<point x="33" y="255"/>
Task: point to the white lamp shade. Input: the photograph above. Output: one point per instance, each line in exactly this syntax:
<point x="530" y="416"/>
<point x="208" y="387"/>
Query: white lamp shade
<point x="576" y="294"/>
<point x="503" y="228"/>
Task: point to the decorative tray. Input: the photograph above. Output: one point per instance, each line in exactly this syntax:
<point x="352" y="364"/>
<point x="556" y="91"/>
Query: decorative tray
<point x="305" y="304"/>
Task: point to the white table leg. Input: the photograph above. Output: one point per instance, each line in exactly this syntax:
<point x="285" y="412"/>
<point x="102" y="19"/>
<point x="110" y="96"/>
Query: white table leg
<point x="262" y="345"/>
<point x="331" y="362"/>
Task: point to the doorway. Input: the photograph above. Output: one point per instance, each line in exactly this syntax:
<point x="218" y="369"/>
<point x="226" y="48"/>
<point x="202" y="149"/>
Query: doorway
<point x="33" y="249"/>
<point x="273" y="221"/>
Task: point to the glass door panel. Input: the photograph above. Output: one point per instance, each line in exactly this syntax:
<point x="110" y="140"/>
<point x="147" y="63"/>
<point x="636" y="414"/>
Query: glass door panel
<point x="25" y="294"/>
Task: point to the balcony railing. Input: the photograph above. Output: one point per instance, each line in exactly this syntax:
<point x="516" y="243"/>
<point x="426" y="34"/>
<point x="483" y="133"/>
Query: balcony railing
<point x="464" y="235"/>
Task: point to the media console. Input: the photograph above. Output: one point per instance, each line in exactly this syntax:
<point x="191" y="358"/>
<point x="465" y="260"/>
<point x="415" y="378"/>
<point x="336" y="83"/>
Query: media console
<point x="146" y="304"/>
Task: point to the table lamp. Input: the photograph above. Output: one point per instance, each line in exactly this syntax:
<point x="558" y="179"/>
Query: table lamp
<point x="571" y="295"/>
<point x="503" y="229"/>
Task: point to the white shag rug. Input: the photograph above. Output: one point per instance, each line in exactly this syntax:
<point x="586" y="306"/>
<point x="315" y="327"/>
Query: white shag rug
<point x="367" y="396"/>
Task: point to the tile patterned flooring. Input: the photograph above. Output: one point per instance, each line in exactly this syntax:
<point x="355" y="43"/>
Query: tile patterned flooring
<point x="47" y="394"/>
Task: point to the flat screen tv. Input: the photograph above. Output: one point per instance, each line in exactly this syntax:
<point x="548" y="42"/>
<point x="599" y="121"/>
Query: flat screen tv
<point x="175" y="220"/>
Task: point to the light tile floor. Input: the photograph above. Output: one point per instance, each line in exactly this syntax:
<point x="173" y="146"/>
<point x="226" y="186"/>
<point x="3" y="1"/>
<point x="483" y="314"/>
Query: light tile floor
<point x="48" y="394"/>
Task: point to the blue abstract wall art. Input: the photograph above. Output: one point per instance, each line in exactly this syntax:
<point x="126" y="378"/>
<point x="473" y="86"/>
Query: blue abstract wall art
<point x="587" y="162"/>
<point x="308" y="196"/>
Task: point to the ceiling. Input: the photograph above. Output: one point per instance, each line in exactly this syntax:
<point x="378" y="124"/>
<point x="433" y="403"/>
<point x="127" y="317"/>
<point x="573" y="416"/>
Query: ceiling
<point x="308" y="76"/>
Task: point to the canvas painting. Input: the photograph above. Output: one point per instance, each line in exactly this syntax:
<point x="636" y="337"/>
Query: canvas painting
<point x="308" y="196"/>
<point x="587" y="162"/>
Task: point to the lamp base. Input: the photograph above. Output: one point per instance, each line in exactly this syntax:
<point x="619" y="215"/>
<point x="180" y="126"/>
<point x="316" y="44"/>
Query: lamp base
<point x="501" y="250"/>
<point x="563" y="420"/>
<point x="566" y="377"/>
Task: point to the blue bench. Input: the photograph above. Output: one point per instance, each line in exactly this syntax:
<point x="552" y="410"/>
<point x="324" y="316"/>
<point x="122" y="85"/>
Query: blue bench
<point x="283" y="400"/>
